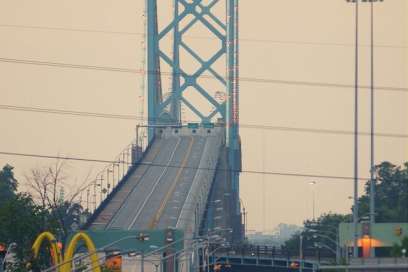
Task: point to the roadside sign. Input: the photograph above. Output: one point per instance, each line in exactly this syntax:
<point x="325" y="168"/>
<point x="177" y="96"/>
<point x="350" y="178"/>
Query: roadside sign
<point x="208" y="125"/>
<point x="193" y="125"/>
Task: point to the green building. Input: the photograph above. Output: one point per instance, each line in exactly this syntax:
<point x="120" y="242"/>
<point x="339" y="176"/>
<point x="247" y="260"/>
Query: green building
<point x="380" y="236"/>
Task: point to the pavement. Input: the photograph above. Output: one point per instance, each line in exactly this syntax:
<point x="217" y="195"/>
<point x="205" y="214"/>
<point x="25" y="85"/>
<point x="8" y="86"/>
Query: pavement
<point x="155" y="194"/>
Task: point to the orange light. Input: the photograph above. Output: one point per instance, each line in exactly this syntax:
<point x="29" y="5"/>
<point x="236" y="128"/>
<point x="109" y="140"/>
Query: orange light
<point x="59" y="245"/>
<point x="114" y="263"/>
<point x="294" y="265"/>
<point x="366" y="245"/>
<point x="2" y="247"/>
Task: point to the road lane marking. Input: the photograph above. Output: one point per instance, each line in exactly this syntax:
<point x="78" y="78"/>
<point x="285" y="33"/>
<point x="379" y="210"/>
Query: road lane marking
<point x="155" y="185"/>
<point x="170" y="192"/>
<point x="138" y="179"/>
<point x="189" y="190"/>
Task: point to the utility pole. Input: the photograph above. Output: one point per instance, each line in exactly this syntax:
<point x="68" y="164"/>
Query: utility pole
<point x="301" y="253"/>
<point x="313" y="183"/>
<point x="373" y="178"/>
<point x="372" y="162"/>
<point x="356" y="78"/>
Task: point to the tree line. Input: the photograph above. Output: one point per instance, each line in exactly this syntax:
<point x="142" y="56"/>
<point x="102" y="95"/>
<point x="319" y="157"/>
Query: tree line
<point x="391" y="197"/>
<point x="47" y="207"/>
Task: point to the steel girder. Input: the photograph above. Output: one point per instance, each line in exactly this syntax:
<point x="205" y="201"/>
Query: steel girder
<point x="226" y="32"/>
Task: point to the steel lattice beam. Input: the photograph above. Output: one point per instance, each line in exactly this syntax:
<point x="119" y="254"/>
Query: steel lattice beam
<point x="226" y="32"/>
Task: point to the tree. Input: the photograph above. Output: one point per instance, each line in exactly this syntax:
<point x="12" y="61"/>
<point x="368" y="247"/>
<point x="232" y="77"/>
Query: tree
<point x="48" y="186"/>
<point x="321" y="231"/>
<point x="22" y="220"/>
<point x="396" y="250"/>
<point x="20" y="223"/>
<point x="391" y="194"/>
<point x="8" y="184"/>
<point x="391" y="206"/>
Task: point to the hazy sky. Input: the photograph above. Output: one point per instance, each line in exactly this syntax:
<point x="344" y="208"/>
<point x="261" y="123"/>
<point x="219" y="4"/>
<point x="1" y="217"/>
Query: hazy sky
<point x="293" y="40"/>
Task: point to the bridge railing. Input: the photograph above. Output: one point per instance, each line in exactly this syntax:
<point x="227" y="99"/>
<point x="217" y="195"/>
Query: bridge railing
<point x="259" y="251"/>
<point x="107" y="180"/>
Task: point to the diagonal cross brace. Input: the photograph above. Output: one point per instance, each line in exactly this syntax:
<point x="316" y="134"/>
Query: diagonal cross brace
<point x="201" y="13"/>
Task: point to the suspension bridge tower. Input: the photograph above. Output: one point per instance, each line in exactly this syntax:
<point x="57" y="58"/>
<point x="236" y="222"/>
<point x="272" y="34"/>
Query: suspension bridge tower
<point x="192" y="74"/>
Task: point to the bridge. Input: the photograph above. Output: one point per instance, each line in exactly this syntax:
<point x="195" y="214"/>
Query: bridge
<point x="181" y="174"/>
<point x="170" y="185"/>
<point x="184" y="164"/>
<point x="171" y="198"/>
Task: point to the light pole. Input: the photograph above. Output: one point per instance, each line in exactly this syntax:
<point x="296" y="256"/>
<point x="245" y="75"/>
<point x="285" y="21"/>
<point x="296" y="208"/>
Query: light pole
<point x="356" y="88"/>
<point x="213" y="258"/>
<point x="210" y="237"/>
<point x="313" y="184"/>
<point x="336" y="243"/>
<point x="328" y="231"/>
<point x="244" y="212"/>
<point x="142" y="238"/>
<point x="372" y="165"/>
<point x="87" y="199"/>
<point x="301" y="253"/>
<point x="107" y="178"/>
<point x="320" y="245"/>
<point x="372" y="115"/>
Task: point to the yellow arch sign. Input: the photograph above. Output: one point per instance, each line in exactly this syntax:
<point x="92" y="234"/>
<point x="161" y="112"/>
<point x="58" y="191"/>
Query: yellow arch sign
<point x="56" y="253"/>
<point x="70" y="250"/>
<point x="69" y="254"/>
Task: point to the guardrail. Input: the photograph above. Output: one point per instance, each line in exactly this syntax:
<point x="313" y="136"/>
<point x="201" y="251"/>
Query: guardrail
<point x="377" y="261"/>
<point x="107" y="180"/>
<point x="270" y="252"/>
<point x="371" y="264"/>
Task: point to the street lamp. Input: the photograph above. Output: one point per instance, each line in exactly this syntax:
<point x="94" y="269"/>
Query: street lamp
<point x="209" y="254"/>
<point x="327" y="230"/>
<point x="320" y="245"/>
<point x="142" y="237"/>
<point x="300" y="252"/>
<point x="313" y="183"/>
<point x="245" y="213"/>
<point x="355" y="206"/>
<point x="336" y="243"/>
<point x="372" y="166"/>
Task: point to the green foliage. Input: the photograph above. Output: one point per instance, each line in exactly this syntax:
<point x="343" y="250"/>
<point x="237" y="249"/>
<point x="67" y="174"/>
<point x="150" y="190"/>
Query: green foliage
<point x="64" y="218"/>
<point x="396" y="250"/>
<point x="322" y="231"/>
<point x="391" y="206"/>
<point x="20" y="222"/>
<point x="8" y="184"/>
<point x="20" y="219"/>
<point x="391" y="195"/>
<point x="104" y="268"/>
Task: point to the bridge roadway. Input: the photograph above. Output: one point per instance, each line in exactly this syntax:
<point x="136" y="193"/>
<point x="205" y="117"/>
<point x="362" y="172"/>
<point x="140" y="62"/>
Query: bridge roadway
<point x="178" y="166"/>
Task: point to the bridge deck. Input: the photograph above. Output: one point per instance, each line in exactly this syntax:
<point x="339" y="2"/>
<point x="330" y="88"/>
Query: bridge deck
<point x="155" y="194"/>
